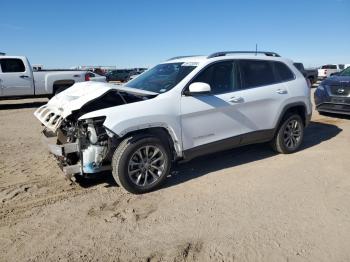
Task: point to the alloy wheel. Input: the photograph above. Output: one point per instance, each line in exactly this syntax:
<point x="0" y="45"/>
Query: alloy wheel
<point x="146" y="165"/>
<point x="292" y="134"/>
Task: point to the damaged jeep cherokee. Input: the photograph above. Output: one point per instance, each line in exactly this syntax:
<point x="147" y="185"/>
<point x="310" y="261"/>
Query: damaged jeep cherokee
<point x="177" y="110"/>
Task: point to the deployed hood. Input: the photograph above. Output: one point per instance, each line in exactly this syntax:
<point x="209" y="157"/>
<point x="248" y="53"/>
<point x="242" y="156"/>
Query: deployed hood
<point x="80" y="94"/>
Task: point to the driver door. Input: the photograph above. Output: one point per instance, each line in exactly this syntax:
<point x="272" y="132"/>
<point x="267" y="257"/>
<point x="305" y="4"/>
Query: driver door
<point x="210" y="121"/>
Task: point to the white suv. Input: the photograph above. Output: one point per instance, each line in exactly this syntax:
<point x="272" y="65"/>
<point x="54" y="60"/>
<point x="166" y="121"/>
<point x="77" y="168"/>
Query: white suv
<point x="177" y="110"/>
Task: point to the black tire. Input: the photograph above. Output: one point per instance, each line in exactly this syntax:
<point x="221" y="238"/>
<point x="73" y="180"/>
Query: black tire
<point x="126" y="153"/>
<point x="281" y="142"/>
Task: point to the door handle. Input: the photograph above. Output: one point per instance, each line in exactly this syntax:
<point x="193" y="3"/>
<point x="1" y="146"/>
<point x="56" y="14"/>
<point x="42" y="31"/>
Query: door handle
<point x="236" y="99"/>
<point x="24" y="76"/>
<point x="282" y="91"/>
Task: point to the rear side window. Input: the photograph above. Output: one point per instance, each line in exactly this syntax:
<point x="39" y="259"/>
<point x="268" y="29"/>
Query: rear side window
<point x="256" y="73"/>
<point x="12" y="65"/>
<point x="341" y="66"/>
<point x="283" y="72"/>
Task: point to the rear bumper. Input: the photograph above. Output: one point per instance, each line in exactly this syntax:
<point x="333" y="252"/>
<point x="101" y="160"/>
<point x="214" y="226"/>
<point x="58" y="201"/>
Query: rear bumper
<point x="49" y="139"/>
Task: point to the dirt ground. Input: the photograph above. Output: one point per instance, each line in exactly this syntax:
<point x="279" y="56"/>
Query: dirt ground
<point x="246" y="204"/>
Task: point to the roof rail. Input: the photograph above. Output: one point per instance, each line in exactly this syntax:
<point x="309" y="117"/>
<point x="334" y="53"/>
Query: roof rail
<point x="178" y="57"/>
<point x="243" y="52"/>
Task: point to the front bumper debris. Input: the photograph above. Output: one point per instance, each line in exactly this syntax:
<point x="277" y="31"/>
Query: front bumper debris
<point x="49" y="139"/>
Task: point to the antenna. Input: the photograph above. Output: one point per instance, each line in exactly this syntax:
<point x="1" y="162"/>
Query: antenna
<point x="256" y="49"/>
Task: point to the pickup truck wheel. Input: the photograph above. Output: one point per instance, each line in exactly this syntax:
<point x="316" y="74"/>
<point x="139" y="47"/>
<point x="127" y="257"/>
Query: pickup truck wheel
<point x="141" y="163"/>
<point x="289" y="135"/>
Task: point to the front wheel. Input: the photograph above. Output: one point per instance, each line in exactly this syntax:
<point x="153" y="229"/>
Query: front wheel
<point x="141" y="163"/>
<point x="289" y="135"/>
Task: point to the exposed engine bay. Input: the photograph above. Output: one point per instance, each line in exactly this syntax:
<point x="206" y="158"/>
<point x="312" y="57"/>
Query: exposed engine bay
<point x="84" y="145"/>
<point x="93" y="144"/>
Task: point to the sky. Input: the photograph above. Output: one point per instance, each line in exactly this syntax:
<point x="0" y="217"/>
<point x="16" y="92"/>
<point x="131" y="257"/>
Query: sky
<point x="136" y="33"/>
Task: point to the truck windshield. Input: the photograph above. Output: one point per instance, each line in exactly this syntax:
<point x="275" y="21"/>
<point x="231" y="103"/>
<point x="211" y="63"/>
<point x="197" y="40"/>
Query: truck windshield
<point x="345" y="72"/>
<point x="162" y="77"/>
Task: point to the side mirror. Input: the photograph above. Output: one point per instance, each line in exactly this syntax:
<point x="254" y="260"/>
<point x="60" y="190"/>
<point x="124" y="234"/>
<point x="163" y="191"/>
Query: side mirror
<point x="199" y="88"/>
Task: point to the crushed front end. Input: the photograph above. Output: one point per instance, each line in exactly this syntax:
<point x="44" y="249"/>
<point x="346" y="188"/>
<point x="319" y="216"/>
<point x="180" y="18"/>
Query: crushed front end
<point x="81" y="147"/>
<point x="84" y="145"/>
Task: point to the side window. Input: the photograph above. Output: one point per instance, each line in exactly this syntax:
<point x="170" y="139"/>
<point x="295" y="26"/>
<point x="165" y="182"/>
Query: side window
<point x="283" y="72"/>
<point x="221" y="77"/>
<point x="12" y="65"/>
<point x="256" y="73"/>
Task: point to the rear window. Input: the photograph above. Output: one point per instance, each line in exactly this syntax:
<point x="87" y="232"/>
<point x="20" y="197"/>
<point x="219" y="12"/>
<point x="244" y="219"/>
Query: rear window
<point x="256" y="73"/>
<point x="283" y="72"/>
<point x="329" y="67"/>
<point x="12" y="65"/>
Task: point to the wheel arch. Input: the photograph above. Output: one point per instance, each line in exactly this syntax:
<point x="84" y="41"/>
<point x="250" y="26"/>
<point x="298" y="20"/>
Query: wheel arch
<point x="62" y="83"/>
<point x="165" y="133"/>
<point x="298" y="108"/>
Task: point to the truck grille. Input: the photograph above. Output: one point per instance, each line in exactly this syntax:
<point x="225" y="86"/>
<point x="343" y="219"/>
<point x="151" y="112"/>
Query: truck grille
<point x="340" y="90"/>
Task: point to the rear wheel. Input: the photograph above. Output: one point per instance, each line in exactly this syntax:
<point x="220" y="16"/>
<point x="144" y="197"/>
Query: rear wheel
<point x="141" y="163"/>
<point x="289" y="135"/>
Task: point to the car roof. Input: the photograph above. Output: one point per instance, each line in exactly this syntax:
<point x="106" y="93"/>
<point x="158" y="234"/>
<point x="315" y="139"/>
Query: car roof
<point x="205" y="59"/>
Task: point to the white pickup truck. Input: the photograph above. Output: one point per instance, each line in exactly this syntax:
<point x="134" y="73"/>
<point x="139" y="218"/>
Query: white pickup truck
<point x="327" y="70"/>
<point x="17" y="79"/>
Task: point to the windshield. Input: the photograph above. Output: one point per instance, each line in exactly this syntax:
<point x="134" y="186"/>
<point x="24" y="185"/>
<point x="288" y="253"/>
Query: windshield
<point x="162" y="77"/>
<point x="345" y="72"/>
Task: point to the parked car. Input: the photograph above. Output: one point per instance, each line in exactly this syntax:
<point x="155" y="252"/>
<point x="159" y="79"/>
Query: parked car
<point x="90" y="76"/>
<point x="333" y="94"/>
<point x="17" y="79"/>
<point x="178" y="110"/>
<point x="311" y="74"/>
<point x="136" y="73"/>
<point x="120" y="75"/>
<point x="327" y="70"/>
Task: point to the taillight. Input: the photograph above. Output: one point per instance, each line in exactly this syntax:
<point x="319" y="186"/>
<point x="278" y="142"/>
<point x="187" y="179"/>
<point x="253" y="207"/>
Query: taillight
<point x="87" y="77"/>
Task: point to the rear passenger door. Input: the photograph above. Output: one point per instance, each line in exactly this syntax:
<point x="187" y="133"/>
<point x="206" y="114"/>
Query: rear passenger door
<point x="261" y="97"/>
<point x="16" y="77"/>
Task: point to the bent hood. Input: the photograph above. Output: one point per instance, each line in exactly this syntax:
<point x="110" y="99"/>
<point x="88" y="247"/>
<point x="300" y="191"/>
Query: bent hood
<point x="62" y="105"/>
